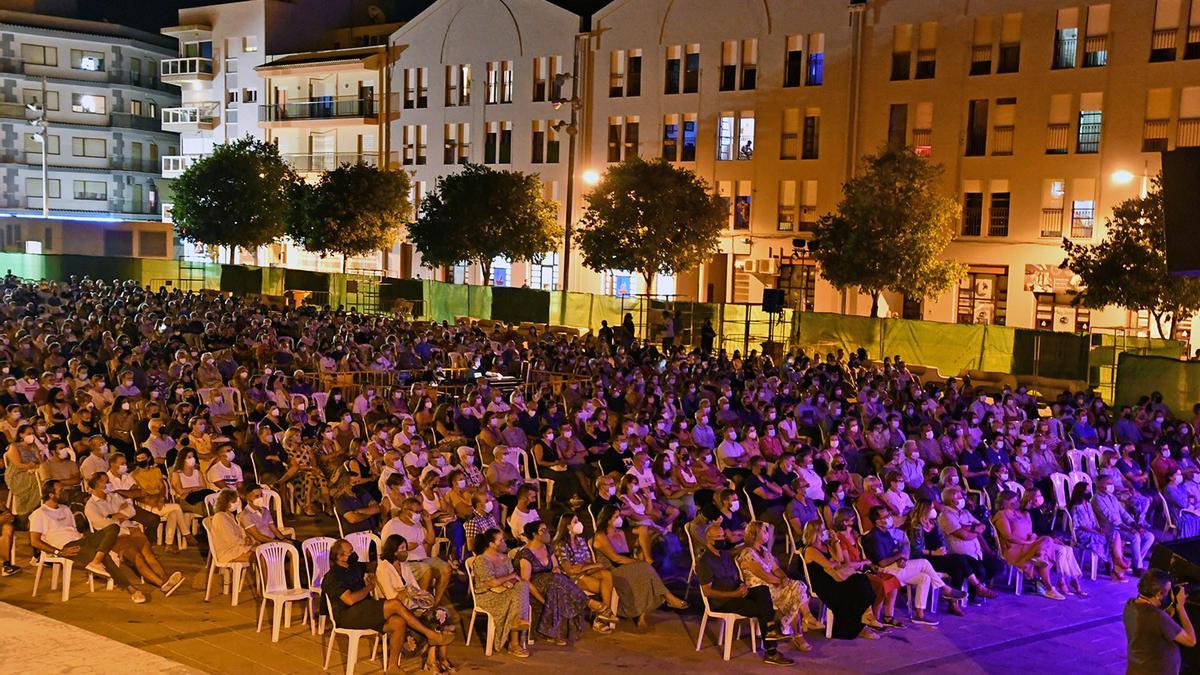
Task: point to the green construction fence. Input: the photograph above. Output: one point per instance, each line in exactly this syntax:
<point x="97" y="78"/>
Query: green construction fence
<point x="1177" y="381"/>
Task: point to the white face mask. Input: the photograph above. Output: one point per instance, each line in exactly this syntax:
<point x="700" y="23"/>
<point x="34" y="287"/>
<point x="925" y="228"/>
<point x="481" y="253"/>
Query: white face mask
<point x="488" y="507"/>
<point x="260" y="502"/>
<point x="122" y="469"/>
<point x="1178" y="479"/>
<point x="235" y="505"/>
<point x="1110" y="488"/>
<point x="577" y="528"/>
<point x="960" y="503"/>
<point x="189" y="462"/>
<point x="932" y="514"/>
<point x="734" y="505"/>
<point x="929" y="435"/>
<point x="63" y="454"/>
<point x="229" y="456"/>
<point x="618" y="522"/>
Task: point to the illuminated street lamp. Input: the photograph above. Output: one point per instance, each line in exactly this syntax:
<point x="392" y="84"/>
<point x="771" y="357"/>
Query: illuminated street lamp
<point x="591" y="177"/>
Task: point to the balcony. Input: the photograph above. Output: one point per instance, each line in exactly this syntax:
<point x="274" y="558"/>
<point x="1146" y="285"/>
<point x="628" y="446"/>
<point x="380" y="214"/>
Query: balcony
<point x="190" y="118"/>
<point x="998" y="221"/>
<point x="131" y="121"/>
<point x="1154" y="135"/>
<point x="1052" y="222"/>
<point x="327" y="161"/>
<point x="173" y="166"/>
<point x="329" y="107"/>
<point x="981" y="60"/>
<point x="1188" y="134"/>
<point x="1162" y="45"/>
<point x="1058" y="139"/>
<point x="186" y="70"/>
<point x="808" y="219"/>
<point x="129" y="206"/>
<point x="1002" y="140"/>
<point x="1095" y="51"/>
<point x="972" y="221"/>
<point x="1082" y="223"/>
<point x="1191" y="50"/>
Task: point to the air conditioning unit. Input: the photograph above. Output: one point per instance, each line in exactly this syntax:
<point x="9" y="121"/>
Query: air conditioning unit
<point x="766" y="266"/>
<point x="746" y="265"/>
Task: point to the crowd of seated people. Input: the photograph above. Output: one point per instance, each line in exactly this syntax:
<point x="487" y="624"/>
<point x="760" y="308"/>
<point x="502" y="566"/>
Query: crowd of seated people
<point x="563" y="500"/>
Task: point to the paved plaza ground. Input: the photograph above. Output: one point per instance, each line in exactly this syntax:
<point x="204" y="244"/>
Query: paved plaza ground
<point x="1028" y="634"/>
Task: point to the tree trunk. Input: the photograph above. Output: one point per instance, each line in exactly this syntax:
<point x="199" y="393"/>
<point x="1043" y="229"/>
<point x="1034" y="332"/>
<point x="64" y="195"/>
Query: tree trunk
<point x="649" y="277"/>
<point x="874" y="303"/>
<point x="1158" y="322"/>
<point x="487" y="273"/>
<point x="345" y="263"/>
<point x="1173" y="323"/>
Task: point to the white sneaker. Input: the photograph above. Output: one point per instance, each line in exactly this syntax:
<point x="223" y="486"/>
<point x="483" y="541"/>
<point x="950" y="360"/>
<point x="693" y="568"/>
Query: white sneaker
<point x="97" y="569"/>
<point x="172" y="584"/>
<point x="138" y="597"/>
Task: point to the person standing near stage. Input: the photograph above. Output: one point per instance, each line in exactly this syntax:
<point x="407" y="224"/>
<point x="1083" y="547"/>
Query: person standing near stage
<point x="1152" y="633"/>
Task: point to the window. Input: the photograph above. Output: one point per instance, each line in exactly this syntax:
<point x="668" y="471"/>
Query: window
<point x="92" y="190"/>
<point x="725" y="194"/>
<point x="633" y="81"/>
<point x="812" y="129"/>
<point x="789" y="136"/>
<point x="787" y="206"/>
<point x="808" y="207"/>
<point x="39" y="55"/>
<point x="631" y="137"/>
<point x="616" y="73"/>
<point x="89" y="147"/>
<point x="88" y="103"/>
<point x="118" y="243"/>
<point x="233" y="96"/>
<point x="816" y="60"/>
<point x="981" y="46"/>
<point x="34" y="96"/>
<point x="1066" y="38"/>
<point x="1095" y="43"/>
<point x="735" y="136"/>
<point x="972" y="225"/>
<point x="1091" y="119"/>
<point x="687" y="151"/>
<point x="622" y="138"/>
<point x="552" y="144"/>
<point x="33" y="188"/>
<point x="749" y="74"/>
<point x="672" y="75"/>
<point x="1053" y="191"/>
<point x="1191" y="49"/>
<point x="32" y="145"/>
<point x="1158" y="119"/>
<point x="1010" y="44"/>
<point x="416" y="88"/>
<point x="415" y="145"/>
<point x="898" y="125"/>
<point x="458" y="85"/>
<point x="1058" y="141"/>
<point x="1189" y="118"/>
<point x="691" y="69"/>
<point x="497" y="146"/>
<point x="728" y="74"/>
<point x="87" y="60"/>
<point x="541" y="78"/>
<point x="1003" y="126"/>
<point x="922" y="130"/>
<point x="902" y="35"/>
<point x="1166" y="28"/>
<point x="250" y="95"/>
<point x="983" y="296"/>
<point x="537" y="153"/>
<point x="927" y="52"/>
<point x="793" y="61"/>
<point x="725" y="140"/>
<point x="543" y="272"/>
<point x="741" y="205"/>
<point x="457" y="143"/>
<point x="499" y="82"/>
<point x="1083" y="218"/>
<point x="199" y="48"/>
<point x="745" y="139"/>
<point x="670" y="138"/>
<point x="625" y="73"/>
<point x="250" y="43"/>
<point x="977" y="128"/>
<point x="998" y="213"/>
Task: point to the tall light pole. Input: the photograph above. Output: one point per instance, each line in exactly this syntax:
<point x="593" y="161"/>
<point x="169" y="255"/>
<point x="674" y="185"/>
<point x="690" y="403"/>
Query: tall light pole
<point x="572" y="129"/>
<point x="42" y="125"/>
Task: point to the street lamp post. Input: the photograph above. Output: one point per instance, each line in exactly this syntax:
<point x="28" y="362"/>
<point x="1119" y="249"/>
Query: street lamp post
<point x="572" y="129"/>
<point x="42" y="125"/>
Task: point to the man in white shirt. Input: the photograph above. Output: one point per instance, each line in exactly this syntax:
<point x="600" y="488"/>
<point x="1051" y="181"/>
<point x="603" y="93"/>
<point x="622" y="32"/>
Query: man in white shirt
<point x="97" y="459"/>
<point x="412" y="524"/>
<point x="52" y="530"/>
<point x="223" y="473"/>
<point x="121" y="482"/>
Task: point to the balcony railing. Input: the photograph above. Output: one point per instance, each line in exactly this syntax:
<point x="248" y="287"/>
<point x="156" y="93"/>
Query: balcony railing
<point x="1082" y="223"/>
<point x="1188" y="135"/>
<point x="1095" y="51"/>
<point x="327" y="161"/>
<point x="1002" y="140"/>
<point x="1154" y="135"/>
<point x="1192" y="49"/>
<point x="1052" y="222"/>
<point x="981" y="59"/>
<point x="330" y="107"/>
<point x="998" y="221"/>
<point x="808" y="219"/>
<point x="1064" y="52"/>
<point x="922" y="141"/>
<point x="1058" y="139"/>
<point x="131" y="121"/>
<point x="173" y="166"/>
<point x="972" y="221"/>
<point x="1162" y="45"/>
<point x="131" y="207"/>
<point x="138" y="79"/>
<point x="188" y="67"/>
<point x="1089" y="138"/>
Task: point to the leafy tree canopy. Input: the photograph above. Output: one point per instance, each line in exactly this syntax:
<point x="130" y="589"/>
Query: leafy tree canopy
<point x="650" y="217"/>
<point x="353" y="210"/>
<point x="480" y="214"/>
<point x="1129" y="267"/>
<point x="237" y="196"/>
<point x="890" y="229"/>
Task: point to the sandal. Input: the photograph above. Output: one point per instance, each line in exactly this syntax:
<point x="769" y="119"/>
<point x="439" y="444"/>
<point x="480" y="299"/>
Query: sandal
<point x="800" y="644"/>
<point x="519" y="652"/>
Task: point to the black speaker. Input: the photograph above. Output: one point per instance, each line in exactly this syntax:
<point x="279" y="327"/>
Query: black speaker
<point x="1181" y="209"/>
<point x="773" y="299"/>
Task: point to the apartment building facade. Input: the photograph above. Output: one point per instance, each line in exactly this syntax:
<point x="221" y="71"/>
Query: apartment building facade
<point x="99" y="87"/>
<point x="1044" y="115"/>
<point x="307" y="75"/>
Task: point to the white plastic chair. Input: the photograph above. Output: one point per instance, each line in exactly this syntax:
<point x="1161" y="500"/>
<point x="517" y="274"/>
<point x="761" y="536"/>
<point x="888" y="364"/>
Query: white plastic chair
<point x="320" y="399"/>
<point x="279" y="582"/>
<point x="210" y="502"/>
<point x="728" y="621"/>
<point x="828" y="612"/>
<point x="353" y="635"/>
<point x="275" y="503"/>
<point x="236" y="570"/>
<point x="1059" y="481"/>
<point x="362" y="541"/>
<point x="476" y="611"/>
<point x="1091" y="460"/>
<point x="57" y="563"/>
<point x="1075" y="460"/>
<point x="1075" y="478"/>
<point x="316" y="555"/>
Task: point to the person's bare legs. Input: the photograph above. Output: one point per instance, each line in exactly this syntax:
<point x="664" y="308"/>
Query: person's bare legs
<point x="145" y="569"/>
<point x="395" y="608"/>
<point x="443" y="582"/>
<point x="645" y="539"/>
<point x="396" y="628"/>
<point x="6" y="535"/>
<point x="152" y="560"/>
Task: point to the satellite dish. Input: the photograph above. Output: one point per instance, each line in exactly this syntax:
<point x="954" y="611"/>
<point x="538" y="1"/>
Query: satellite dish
<point x="376" y="14"/>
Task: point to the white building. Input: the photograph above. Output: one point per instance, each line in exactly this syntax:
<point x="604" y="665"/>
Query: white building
<point x="102" y="100"/>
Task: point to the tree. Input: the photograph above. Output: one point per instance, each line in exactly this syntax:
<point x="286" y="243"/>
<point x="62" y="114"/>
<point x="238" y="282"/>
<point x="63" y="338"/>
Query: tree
<point x="352" y="210"/>
<point x="890" y="230"/>
<point x="480" y="214"/>
<point x="650" y="217"/>
<point x="237" y="196"/>
<point x="1129" y="267"/>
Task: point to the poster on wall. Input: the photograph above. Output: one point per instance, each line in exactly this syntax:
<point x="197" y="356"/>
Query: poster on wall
<point x="1051" y="279"/>
<point x="984" y="312"/>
